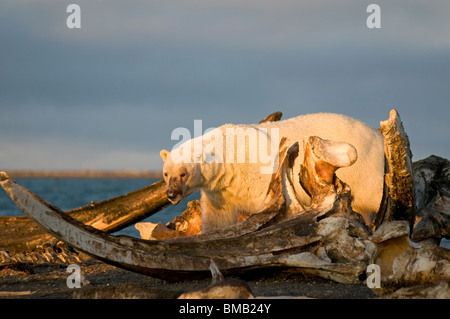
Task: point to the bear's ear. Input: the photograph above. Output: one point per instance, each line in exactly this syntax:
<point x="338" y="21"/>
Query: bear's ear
<point x="163" y="154"/>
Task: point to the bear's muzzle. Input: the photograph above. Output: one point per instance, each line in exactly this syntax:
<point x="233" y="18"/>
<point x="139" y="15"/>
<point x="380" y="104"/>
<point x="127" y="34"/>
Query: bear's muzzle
<point x="174" y="196"/>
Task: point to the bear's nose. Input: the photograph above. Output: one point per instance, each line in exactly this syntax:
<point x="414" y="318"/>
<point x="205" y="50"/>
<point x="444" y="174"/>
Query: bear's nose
<point x="172" y="195"/>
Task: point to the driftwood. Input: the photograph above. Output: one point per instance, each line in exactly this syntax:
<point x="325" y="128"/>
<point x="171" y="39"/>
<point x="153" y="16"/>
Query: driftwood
<point x="109" y="215"/>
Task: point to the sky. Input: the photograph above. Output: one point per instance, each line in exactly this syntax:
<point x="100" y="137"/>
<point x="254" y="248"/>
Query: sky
<point x="108" y="95"/>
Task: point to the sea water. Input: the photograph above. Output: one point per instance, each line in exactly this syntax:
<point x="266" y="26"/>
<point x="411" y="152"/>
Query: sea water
<point x="70" y="193"/>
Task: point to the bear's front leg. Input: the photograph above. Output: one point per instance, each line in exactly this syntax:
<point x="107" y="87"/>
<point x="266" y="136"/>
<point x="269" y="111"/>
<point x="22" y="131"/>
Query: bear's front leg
<point x="216" y="212"/>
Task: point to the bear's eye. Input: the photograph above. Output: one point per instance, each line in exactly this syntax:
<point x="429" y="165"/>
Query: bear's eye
<point x="183" y="175"/>
<point x="165" y="174"/>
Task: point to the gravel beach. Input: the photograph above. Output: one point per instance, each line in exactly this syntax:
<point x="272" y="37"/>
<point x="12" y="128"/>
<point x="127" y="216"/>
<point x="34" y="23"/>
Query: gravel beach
<point x="109" y="282"/>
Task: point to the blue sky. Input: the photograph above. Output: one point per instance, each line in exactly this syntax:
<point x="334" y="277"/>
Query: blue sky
<point x="108" y="95"/>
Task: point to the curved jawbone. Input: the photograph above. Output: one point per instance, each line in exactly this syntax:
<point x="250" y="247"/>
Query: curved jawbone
<point x="188" y="257"/>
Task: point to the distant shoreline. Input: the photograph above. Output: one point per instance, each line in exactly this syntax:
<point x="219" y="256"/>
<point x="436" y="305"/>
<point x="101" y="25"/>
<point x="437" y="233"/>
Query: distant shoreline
<point x="83" y="174"/>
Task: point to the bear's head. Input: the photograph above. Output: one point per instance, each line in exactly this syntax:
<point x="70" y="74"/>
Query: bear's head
<point x="180" y="177"/>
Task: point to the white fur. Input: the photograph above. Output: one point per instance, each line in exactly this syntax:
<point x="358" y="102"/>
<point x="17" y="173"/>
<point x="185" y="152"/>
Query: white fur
<point x="232" y="188"/>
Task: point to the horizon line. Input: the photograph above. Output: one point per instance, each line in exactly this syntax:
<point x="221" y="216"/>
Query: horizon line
<point x="83" y="173"/>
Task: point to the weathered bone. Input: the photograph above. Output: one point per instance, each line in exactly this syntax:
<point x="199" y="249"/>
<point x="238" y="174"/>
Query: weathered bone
<point x="45" y="254"/>
<point x="398" y="199"/>
<point x="230" y="289"/>
<point x="274" y="117"/>
<point x="220" y="288"/>
<point x="440" y="290"/>
<point x="131" y="253"/>
<point x="405" y="264"/>
<point x="317" y="173"/>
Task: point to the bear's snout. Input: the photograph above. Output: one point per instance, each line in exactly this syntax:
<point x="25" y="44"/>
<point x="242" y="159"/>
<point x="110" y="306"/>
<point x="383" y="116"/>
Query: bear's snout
<point x="174" y="196"/>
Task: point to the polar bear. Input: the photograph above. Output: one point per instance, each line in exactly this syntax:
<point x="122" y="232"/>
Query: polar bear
<point x="234" y="182"/>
